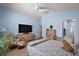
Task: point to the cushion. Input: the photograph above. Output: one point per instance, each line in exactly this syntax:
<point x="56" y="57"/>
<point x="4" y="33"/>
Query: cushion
<point x="19" y="36"/>
<point x="21" y="43"/>
<point x="67" y="46"/>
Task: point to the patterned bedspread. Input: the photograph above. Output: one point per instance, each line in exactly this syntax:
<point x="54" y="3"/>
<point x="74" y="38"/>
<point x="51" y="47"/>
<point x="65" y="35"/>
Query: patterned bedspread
<point x="47" y="48"/>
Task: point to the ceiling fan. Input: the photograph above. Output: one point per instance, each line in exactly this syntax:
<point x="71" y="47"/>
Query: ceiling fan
<point x="38" y="9"/>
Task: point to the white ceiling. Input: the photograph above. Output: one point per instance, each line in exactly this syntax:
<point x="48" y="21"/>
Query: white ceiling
<point x="27" y="8"/>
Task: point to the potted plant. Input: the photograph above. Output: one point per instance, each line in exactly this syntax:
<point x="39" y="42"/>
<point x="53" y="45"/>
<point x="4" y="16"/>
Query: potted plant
<point x="4" y="46"/>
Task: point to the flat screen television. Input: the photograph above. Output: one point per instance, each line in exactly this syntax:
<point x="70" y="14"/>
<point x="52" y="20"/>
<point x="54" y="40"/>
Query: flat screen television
<point x="25" y="28"/>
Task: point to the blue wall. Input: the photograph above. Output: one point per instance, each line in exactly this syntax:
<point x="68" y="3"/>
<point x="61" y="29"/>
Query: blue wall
<point x="11" y="19"/>
<point x="3" y="13"/>
<point x="55" y="18"/>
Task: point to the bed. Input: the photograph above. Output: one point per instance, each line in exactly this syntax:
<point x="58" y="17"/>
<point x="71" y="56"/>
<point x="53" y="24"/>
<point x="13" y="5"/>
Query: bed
<point x="46" y="47"/>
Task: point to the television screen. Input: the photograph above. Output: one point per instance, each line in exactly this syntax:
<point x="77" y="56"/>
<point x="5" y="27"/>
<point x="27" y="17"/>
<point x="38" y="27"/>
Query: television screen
<point x="25" y="28"/>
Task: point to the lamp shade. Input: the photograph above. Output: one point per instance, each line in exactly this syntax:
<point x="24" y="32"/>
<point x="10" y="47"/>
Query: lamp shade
<point x="3" y="30"/>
